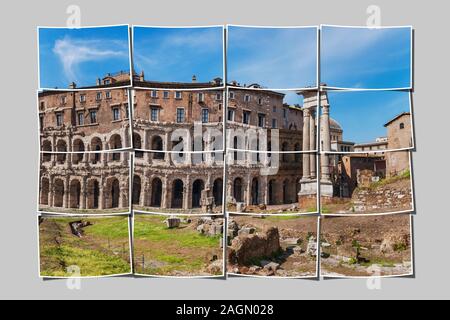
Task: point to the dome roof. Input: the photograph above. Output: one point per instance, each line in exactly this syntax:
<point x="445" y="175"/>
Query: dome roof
<point x="335" y="125"/>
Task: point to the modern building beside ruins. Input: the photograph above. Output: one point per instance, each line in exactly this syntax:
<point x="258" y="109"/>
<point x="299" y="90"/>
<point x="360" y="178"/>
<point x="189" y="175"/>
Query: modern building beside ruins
<point x="272" y="161"/>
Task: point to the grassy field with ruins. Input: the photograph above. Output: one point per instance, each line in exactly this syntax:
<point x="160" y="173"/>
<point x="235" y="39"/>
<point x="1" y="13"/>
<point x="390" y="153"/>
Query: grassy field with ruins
<point x="354" y="246"/>
<point x="181" y="251"/>
<point x="102" y="250"/>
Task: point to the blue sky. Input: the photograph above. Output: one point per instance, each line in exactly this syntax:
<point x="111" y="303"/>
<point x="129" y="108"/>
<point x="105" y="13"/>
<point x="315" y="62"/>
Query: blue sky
<point x="362" y="114"/>
<point x="281" y="58"/>
<point x="366" y="58"/>
<point x="176" y="54"/>
<point x="81" y="55"/>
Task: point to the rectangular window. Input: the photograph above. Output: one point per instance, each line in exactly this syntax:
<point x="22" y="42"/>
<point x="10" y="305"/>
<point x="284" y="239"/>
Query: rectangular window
<point x="180" y="115"/>
<point x="41" y="121"/>
<point x="82" y="98"/>
<point x="178" y="95"/>
<point x="231" y="113"/>
<point x="154" y="114"/>
<point x="246" y="117"/>
<point x="285" y="113"/>
<point x="260" y="101"/>
<point x="106" y="82"/>
<point x="231" y="95"/>
<point x="154" y="94"/>
<point x="274" y="109"/>
<point x="127" y="111"/>
<point x="108" y="95"/>
<point x="42" y="105"/>
<point x="205" y="115"/>
<point x="274" y="123"/>
<point x="98" y="96"/>
<point x="166" y="95"/>
<point x="116" y="114"/>
<point x="63" y="100"/>
<point x="80" y="119"/>
<point x="93" y="116"/>
<point x="247" y="98"/>
<point x="261" y="120"/>
<point x="201" y="97"/>
<point x="59" y="119"/>
<point x="218" y="96"/>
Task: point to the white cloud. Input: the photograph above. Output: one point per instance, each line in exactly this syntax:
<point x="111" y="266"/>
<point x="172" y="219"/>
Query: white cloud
<point x="73" y="52"/>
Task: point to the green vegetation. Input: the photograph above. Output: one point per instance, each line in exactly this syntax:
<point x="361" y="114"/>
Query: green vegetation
<point x="401" y="246"/>
<point x="403" y="176"/>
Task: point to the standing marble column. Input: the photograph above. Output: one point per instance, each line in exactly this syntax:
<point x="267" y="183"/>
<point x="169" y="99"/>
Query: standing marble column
<point x="326" y="143"/>
<point x="312" y="143"/>
<point x="306" y="144"/>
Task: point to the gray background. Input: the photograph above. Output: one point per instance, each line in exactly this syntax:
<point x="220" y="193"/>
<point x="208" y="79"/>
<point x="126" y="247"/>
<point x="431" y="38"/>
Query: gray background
<point x="19" y="157"/>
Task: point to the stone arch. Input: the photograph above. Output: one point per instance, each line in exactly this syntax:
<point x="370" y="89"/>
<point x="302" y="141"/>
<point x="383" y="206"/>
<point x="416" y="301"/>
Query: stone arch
<point x="197" y="188"/>
<point x="137" y="144"/>
<point x="78" y="148"/>
<point x="46" y="147"/>
<point x="96" y="145"/>
<point x="93" y="194"/>
<point x="137" y="181"/>
<point x="156" y="193"/>
<point x="177" y="193"/>
<point x="45" y="189"/>
<point x="218" y="191"/>
<point x="285" y="156"/>
<point x="271" y="192"/>
<point x="255" y="191"/>
<point x="286" y="198"/>
<point x="238" y="190"/>
<point x="157" y="145"/>
<point x="58" y="186"/>
<point x="112" y="195"/>
<point x="61" y="146"/>
<point x="74" y="194"/>
<point x="115" y="143"/>
<point x="298" y="156"/>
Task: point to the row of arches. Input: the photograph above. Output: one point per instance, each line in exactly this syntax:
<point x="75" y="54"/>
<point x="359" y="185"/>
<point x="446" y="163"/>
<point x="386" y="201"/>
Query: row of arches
<point x="77" y="194"/>
<point x="78" y="147"/>
<point x="176" y="195"/>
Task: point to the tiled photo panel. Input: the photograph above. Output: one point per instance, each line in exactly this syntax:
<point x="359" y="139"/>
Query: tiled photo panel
<point x="167" y="120"/>
<point x="272" y="246"/>
<point x="366" y="121"/>
<point x="84" y="183"/>
<point x="191" y="57"/>
<point x="272" y="57"/>
<point x="268" y="120"/>
<point x="366" y="58"/>
<point x="178" y="183"/>
<point x="366" y="183"/>
<point x="84" y="58"/>
<point x="84" y="120"/>
<point x="173" y="246"/>
<point x="270" y="183"/>
<point x="74" y="247"/>
<point x="364" y="246"/>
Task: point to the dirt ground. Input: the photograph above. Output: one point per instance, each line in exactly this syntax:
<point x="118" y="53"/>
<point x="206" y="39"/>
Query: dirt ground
<point x="294" y="233"/>
<point x="384" y="244"/>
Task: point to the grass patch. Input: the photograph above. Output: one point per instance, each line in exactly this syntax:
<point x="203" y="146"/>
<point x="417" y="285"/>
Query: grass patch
<point x="112" y="228"/>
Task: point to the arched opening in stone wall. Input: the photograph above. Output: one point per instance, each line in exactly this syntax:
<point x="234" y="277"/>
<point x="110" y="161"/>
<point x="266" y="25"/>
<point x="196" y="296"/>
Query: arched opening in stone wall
<point x="285" y="156"/>
<point x="255" y="191"/>
<point x="113" y="193"/>
<point x="45" y="189"/>
<point x="298" y="156"/>
<point x="115" y="143"/>
<point x="136" y="189"/>
<point x="156" y="193"/>
<point x="58" y="193"/>
<point x="237" y="189"/>
<point x="96" y="145"/>
<point x="78" y="146"/>
<point x="218" y="191"/>
<point x="93" y="194"/>
<point x="74" y="194"/>
<point x="137" y="144"/>
<point x="197" y="188"/>
<point x="157" y="145"/>
<point x="46" y="147"/>
<point x="286" y="198"/>
<point x="177" y="194"/>
<point x="271" y="192"/>
<point x="61" y="146"/>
